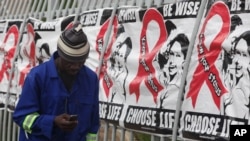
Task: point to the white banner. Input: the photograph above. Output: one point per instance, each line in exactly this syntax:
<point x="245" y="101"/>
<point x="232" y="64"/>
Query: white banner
<point x="10" y="36"/>
<point x="142" y="65"/>
<point x="142" y="69"/>
<point x="217" y="91"/>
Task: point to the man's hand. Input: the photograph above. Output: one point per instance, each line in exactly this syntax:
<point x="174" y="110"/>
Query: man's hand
<point x="62" y="121"/>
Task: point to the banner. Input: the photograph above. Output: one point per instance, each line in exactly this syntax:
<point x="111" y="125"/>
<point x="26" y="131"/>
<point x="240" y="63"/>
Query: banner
<point x="9" y="35"/>
<point x="38" y="42"/>
<point x="139" y="55"/>
<point x="217" y="90"/>
<point x="143" y="66"/>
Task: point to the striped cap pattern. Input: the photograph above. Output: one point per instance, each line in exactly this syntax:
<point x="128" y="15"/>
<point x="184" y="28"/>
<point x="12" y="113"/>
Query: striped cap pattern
<point x="73" y="45"/>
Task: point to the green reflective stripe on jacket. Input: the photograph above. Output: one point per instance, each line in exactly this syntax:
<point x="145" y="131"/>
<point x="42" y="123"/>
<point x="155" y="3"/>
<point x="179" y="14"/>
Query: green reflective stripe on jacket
<point x="28" y="122"/>
<point x="91" y="137"/>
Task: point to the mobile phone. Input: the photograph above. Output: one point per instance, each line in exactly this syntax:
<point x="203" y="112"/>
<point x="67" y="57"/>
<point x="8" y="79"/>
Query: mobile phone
<point x="73" y="117"/>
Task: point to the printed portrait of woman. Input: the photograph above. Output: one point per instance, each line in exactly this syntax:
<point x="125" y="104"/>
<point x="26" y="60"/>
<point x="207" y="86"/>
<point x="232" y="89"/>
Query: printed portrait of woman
<point x="238" y="77"/>
<point x="118" y="70"/>
<point x="171" y="63"/>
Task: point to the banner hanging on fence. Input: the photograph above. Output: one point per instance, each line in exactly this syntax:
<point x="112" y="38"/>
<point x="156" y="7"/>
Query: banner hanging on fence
<point x="142" y="54"/>
<point x="142" y="66"/>
<point x="139" y="76"/>
<point x="37" y="43"/>
<point x="217" y="91"/>
<point x="9" y="38"/>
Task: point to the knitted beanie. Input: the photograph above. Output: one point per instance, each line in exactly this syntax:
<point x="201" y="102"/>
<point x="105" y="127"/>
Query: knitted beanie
<point x="72" y="44"/>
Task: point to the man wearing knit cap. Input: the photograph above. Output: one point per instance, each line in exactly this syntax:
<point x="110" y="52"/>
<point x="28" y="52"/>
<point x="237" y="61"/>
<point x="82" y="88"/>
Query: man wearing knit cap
<point x="59" y="99"/>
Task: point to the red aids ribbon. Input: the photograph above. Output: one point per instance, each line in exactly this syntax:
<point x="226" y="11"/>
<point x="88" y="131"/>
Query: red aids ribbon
<point x="9" y="55"/>
<point x="104" y="78"/>
<point x="207" y="55"/>
<point x="146" y="71"/>
<point x="31" y="55"/>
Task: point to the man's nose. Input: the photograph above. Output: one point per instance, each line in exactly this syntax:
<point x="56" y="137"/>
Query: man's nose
<point x="76" y="65"/>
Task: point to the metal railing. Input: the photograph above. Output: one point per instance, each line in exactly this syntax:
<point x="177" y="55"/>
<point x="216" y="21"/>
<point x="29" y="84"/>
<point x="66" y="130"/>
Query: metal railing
<point x="47" y="10"/>
<point x="51" y="9"/>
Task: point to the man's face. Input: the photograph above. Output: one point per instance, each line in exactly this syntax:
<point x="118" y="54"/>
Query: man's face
<point x="176" y="58"/>
<point x="71" y="68"/>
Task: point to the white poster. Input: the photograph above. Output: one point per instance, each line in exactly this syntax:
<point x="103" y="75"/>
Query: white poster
<point x="217" y="90"/>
